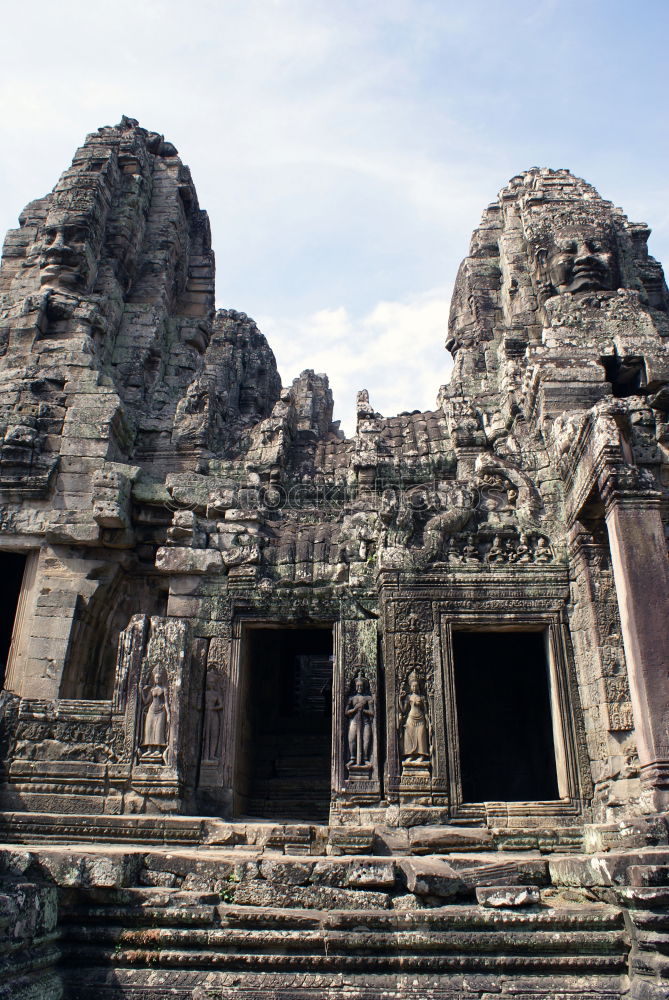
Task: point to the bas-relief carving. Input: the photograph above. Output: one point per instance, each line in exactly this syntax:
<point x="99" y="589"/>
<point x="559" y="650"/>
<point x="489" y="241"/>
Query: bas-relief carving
<point x="415" y="726"/>
<point x="360" y="713"/>
<point x="212" y="739"/>
<point x="577" y="260"/>
<point x="355" y="715"/>
<point x="156" y="721"/>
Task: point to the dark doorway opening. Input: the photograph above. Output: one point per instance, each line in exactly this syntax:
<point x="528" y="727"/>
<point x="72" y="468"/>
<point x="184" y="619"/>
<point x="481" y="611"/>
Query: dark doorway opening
<point x="284" y="768"/>
<point x="12" y="568"/>
<point x="505" y="728"/>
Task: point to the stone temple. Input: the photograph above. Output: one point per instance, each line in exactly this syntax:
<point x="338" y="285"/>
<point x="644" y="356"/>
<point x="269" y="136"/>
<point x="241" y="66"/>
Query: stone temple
<point x="293" y="715"/>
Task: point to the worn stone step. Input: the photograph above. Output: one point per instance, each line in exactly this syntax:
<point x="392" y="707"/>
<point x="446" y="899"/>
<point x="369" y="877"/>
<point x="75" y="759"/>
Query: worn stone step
<point x="136" y="907"/>
<point x="155" y="958"/>
<point x="241" y="984"/>
<point x="195" y="831"/>
<point x="648" y="875"/>
<point x="275" y="807"/>
<point x="532" y="941"/>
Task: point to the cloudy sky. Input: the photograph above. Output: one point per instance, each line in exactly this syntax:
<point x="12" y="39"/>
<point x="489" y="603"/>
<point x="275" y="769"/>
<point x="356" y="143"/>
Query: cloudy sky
<point x="345" y="150"/>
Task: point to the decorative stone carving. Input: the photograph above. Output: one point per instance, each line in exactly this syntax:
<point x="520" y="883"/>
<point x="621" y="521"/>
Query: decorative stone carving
<point x="156" y="721"/>
<point x="212" y="738"/>
<point x="360" y="713"/>
<point x="355" y="716"/>
<point x="415" y="725"/>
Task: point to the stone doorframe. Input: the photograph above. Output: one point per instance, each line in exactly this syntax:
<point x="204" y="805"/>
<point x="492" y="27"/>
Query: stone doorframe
<point x="571" y="760"/>
<point x="218" y="779"/>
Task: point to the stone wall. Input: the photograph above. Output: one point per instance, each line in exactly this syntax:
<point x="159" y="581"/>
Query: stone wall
<point x="170" y="497"/>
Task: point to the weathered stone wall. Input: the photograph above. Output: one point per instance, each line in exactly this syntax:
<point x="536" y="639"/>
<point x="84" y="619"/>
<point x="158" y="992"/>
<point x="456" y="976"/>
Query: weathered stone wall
<point x="171" y="495"/>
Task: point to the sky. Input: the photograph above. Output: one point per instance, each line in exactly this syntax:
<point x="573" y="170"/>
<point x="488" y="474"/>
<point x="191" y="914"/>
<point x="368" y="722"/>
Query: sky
<point x="345" y="149"/>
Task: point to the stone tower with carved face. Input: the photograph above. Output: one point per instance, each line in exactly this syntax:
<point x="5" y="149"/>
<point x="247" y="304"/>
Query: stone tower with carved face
<point x="227" y="624"/>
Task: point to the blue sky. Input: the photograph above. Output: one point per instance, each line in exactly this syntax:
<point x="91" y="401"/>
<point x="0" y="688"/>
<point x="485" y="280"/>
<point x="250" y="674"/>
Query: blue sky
<point x="345" y="150"/>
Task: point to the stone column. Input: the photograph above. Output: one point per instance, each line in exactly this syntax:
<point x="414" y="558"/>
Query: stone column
<point x="220" y="729"/>
<point x="356" y="781"/>
<point x="641" y="574"/>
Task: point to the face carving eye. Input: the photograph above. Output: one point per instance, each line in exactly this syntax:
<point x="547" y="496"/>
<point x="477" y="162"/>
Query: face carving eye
<point x="75" y="234"/>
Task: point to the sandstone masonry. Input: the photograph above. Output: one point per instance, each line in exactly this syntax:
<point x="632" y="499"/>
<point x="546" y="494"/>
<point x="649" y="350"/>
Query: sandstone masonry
<point x="288" y="714"/>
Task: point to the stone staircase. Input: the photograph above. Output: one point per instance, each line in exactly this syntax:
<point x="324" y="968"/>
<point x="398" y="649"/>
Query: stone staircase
<point x="29" y="953"/>
<point x="288" y="913"/>
<point x="292" y="777"/>
<point x="255" y="922"/>
<point x="647" y="902"/>
<point x="118" y="942"/>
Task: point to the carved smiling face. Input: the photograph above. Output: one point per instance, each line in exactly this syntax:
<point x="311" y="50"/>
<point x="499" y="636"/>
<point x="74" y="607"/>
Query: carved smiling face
<point x="581" y="262"/>
<point x="65" y="258"/>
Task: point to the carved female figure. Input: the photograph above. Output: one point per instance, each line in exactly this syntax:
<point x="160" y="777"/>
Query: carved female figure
<point x="360" y="712"/>
<point x="213" y="717"/>
<point x="415" y="731"/>
<point x="156" y="716"/>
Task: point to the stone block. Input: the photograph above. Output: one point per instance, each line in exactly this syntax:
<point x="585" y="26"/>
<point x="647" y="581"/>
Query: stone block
<point x="180" y="560"/>
<point x="351" y="840"/>
<point x="309" y="897"/>
<point x="70" y="869"/>
<point x="508" y="897"/>
<point x="444" y="839"/>
<point x="431" y="877"/>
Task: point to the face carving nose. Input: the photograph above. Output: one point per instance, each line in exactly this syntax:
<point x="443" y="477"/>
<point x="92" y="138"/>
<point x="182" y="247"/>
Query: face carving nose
<point x="59" y="242"/>
<point x="584" y="253"/>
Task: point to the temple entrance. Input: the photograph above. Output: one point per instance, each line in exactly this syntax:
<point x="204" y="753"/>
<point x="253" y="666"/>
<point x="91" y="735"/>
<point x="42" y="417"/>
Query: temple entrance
<point x="12" y="568"/>
<point x="505" y="730"/>
<point x="285" y="744"/>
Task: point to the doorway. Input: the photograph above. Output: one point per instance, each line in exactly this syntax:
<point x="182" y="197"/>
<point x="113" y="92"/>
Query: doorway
<point x="502" y="690"/>
<point x="285" y="738"/>
<point x="12" y="569"/>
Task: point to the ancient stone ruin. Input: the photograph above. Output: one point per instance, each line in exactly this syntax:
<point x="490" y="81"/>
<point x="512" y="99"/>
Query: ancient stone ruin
<point x="288" y="714"/>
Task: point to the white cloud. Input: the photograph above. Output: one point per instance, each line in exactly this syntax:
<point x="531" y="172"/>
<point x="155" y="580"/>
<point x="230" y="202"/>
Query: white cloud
<point x="343" y="150"/>
<point x="395" y="351"/>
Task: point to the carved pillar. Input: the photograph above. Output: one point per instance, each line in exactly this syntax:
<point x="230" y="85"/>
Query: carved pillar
<point x="157" y="716"/>
<point x="641" y="573"/>
<point x="416" y="757"/>
<point x="596" y="633"/>
<point x="219" y="730"/>
<point x="355" y="718"/>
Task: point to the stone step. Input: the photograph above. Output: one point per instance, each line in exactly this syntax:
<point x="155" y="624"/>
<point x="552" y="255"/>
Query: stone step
<point x="300" y="784"/>
<point x="242" y="984"/>
<point x="275" y="807"/>
<point x="586" y="939"/>
<point x="129" y="831"/>
<point x="294" y="765"/>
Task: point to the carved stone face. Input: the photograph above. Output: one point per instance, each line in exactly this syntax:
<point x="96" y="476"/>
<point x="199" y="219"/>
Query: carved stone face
<point x="65" y="258"/>
<point x="359" y="685"/>
<point x="581" y="262"/>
